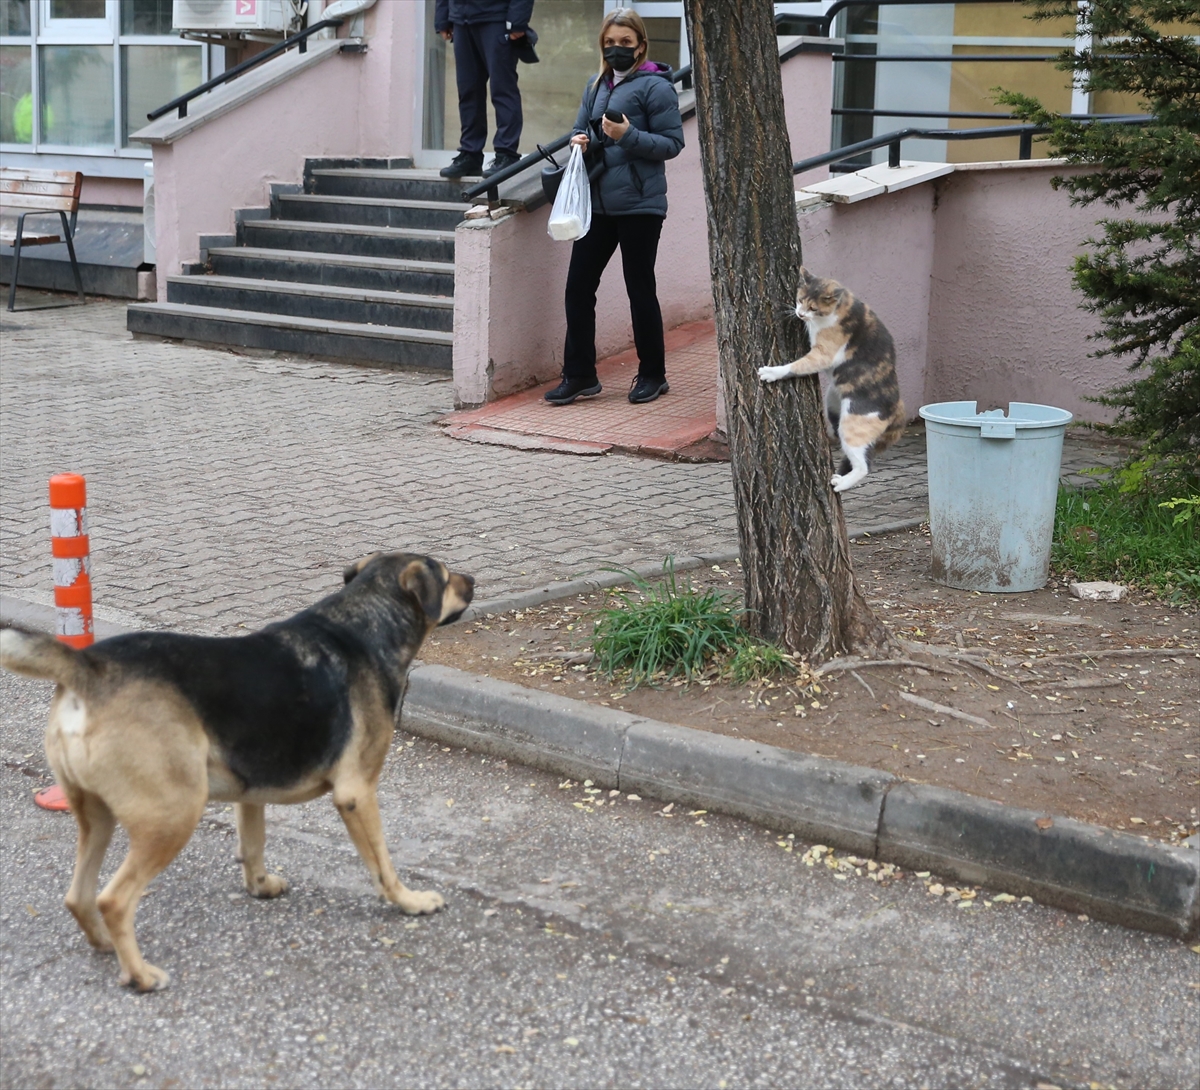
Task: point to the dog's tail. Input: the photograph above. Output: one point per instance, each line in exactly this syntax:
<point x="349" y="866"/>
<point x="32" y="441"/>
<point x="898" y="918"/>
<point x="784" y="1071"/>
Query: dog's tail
<point x="38" y="654"/>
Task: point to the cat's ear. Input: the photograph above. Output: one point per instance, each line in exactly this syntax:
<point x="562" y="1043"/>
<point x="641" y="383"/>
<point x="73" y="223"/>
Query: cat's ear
<point x="805" y="276"/>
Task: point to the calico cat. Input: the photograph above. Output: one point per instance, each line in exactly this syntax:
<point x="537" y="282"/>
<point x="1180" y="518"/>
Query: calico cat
<point x="863" y="401"/>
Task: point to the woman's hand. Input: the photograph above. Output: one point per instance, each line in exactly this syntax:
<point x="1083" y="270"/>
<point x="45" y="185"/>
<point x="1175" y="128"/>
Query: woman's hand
<point x="615" y="129"/>
<point x="581" y="139"/>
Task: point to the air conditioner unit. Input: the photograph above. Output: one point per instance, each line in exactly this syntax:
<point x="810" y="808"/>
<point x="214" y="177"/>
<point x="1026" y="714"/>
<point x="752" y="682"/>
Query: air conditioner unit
<point x="232" y="15"/>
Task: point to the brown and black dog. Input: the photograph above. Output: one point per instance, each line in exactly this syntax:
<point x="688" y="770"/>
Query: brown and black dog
<point x="145" y="728"/>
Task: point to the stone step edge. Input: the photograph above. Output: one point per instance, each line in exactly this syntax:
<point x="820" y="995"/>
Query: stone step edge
<point x="331" y="291"/>
<point x="366" y="230"/>
<point x="410" y="203"/>
<point x="326" y="257"/>
<point x="287" y="321"/>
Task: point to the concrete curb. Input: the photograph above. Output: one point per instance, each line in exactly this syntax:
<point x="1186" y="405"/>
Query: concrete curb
<point x="1111" y="876"/>
<point x="1083" y="868"/>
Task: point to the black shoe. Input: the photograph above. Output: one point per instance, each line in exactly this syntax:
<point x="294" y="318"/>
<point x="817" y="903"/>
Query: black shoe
<point x="571" y="388"/>
<point x="501" y="160"/>
<point x="646" y="389"/>
<point x="464" y="163"/>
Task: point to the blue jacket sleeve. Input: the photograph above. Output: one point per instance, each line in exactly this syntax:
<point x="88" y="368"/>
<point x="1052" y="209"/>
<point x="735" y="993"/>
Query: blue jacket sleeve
<point x="441" y="15"/>
<point x="664" y="139"/>
<point x="519" y="12"/>
<point x="582" y="121"/>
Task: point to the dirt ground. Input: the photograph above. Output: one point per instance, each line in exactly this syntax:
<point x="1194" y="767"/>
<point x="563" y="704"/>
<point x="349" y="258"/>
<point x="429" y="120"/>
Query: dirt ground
<point x="1038" y="700"/>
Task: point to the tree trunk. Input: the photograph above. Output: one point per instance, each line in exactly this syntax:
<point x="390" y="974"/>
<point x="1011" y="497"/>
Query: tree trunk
<point x="800" y="587"/>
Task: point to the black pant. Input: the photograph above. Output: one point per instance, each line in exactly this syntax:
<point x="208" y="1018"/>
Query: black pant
<point x="482" y="52"/>
<point x="638" y="238"/>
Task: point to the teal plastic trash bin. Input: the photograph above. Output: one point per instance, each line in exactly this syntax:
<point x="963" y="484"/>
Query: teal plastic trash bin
<point x="993" y="484"/>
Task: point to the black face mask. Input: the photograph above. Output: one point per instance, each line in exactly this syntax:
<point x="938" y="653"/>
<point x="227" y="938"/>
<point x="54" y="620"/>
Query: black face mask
<point x="620" y="57"/>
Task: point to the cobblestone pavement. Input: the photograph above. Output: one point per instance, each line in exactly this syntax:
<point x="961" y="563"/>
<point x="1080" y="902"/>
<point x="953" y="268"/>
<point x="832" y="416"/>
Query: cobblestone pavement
<point x="227" y="490"/>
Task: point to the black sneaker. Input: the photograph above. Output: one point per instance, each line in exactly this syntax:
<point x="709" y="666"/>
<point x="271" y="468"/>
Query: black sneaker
<point x="501" y="160"/>
<point x="571" y="388"/>
<point x="647" y="389"/>
<point x="464" y="163"/>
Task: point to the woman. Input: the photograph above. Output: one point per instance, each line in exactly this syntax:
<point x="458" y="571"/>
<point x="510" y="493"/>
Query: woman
<point x="629" y="202"/>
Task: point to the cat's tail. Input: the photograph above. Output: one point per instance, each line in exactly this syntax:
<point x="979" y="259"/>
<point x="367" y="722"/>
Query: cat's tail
<point x="895" y="429"/>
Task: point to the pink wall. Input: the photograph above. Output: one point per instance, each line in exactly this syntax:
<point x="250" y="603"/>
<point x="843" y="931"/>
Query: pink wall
<point x="354" y="104"/>
<point x="118" y="192"/>
<point x="971" y="273"/>
<point x="509" y="328"/>
<point x="1005" y="319"/>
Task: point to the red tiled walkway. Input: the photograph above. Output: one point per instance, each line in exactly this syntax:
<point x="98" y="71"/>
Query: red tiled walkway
<point x="677" y="425"/>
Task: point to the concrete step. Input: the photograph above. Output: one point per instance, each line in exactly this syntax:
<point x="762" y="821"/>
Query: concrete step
<point x="359" y="305"/>
<point x="373" y="211"/>
<point x="346" y="238"/>
<point x="411" y="185"/>
<point x="340" y="270"/>
<point x="385" y="346"/>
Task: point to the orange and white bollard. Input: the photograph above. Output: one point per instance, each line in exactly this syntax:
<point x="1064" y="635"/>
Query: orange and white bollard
<point x="72" y="563"/>
<point x="72" y="582"/>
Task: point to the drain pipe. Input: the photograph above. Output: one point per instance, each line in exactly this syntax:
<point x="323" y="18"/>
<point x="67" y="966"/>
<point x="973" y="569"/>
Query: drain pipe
<point x="340" y="9"/>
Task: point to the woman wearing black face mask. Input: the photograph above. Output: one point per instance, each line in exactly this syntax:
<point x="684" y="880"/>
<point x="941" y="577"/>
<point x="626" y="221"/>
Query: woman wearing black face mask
<point x="629" y="202"/>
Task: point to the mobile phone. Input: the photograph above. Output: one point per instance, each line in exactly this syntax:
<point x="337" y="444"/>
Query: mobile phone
<point x="614" y="116"/>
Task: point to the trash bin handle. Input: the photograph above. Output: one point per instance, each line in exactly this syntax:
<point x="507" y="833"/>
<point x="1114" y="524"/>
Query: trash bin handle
<point x="1001" y="429"/>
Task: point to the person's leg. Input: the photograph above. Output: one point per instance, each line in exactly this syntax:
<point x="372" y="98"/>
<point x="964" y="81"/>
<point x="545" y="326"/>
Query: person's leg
<point x="638" y="237"/>
<point x="501" y="59"/>
<point x="472" y="75"/>
<point x="589" y="256"/>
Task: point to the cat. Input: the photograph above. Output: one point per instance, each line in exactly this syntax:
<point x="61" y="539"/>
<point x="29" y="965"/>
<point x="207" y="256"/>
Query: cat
<point x="863" y="401"/>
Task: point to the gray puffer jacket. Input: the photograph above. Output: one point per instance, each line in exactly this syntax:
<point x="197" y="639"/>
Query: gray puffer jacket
<point x="634" y="181"/>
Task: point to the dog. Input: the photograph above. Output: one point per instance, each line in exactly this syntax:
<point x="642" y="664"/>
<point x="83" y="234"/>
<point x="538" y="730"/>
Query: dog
<point x="146" y="728"/>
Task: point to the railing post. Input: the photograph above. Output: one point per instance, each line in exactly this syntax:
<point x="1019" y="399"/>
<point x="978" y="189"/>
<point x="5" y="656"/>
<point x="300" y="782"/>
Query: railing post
<point x="894" y="153"/>
<point x="1026" y="151"/>
<point x="183" y="109"/>
<point x="303" y="45"/>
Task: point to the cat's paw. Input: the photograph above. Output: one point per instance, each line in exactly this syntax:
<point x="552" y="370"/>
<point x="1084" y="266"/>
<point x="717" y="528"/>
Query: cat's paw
<point x="840" y="483"/>
<point x="773" y="374"/>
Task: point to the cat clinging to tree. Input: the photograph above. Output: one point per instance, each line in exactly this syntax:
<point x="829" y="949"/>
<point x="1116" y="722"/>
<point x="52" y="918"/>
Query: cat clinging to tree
<point x="863" y="401"/>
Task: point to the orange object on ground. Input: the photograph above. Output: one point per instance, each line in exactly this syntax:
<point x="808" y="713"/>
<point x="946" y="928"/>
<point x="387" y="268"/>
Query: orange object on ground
<point x="52" y="798"/>
<point x="70" y="549"/>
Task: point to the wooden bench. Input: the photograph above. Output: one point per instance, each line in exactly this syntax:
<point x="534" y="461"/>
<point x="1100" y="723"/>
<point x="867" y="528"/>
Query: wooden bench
<point x="40" y="193"/>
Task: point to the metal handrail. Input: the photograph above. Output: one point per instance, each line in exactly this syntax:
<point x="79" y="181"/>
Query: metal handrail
<point x="300" y="39"/>
<point x="892" y="140"/>
<point x="826" y="20"/>
<point x="491" y="185"/>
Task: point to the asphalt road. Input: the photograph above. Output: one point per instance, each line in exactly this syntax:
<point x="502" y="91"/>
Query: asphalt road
<point x="616" y="947"/>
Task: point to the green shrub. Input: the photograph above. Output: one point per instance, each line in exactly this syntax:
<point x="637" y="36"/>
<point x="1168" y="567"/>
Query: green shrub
<point x="1138" y="527"/>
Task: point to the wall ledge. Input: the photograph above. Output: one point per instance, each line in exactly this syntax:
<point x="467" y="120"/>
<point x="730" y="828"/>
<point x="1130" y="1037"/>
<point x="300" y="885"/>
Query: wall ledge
<point x="237" y="92"/>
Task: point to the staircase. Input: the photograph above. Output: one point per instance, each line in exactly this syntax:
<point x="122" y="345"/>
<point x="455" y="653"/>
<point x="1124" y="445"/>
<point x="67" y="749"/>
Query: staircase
<point x="358" y="267"/>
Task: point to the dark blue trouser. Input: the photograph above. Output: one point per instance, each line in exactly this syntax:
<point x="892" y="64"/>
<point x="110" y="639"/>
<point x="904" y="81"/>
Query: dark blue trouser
<point x="481" y="53"/>
<point x="637" y="237"/>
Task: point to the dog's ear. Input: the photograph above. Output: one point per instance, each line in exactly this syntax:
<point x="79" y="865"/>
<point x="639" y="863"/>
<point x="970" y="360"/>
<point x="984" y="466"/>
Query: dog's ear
<point x="353" y="569"/>
<point x="425" y="586"/>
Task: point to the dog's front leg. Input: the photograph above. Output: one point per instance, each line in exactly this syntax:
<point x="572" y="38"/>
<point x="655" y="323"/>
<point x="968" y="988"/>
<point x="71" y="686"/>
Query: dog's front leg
<point x="252" y="833"/>
<point x="359" y="807"/>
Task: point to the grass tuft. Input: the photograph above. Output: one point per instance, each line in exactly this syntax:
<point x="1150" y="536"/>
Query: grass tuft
<point x="670" y="629"/>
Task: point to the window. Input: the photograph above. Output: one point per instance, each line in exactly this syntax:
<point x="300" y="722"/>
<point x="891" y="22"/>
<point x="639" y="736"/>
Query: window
<point x="79" y="76"/>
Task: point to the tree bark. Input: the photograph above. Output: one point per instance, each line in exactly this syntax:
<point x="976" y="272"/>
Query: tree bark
<point x="800" y="588"/>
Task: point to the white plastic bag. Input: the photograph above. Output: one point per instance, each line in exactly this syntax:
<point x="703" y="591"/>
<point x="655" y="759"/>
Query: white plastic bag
<point x="571" y="215"/>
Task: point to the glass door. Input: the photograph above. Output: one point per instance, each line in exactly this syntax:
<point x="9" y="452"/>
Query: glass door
<point x="551" y="90"/>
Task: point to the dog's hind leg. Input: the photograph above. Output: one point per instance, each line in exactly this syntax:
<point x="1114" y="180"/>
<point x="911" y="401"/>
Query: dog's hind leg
<point x="251" y="827"/>
<point x="356" y="802"/>
<point x="156" y="836"/>
<point x="95" y="821"/>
